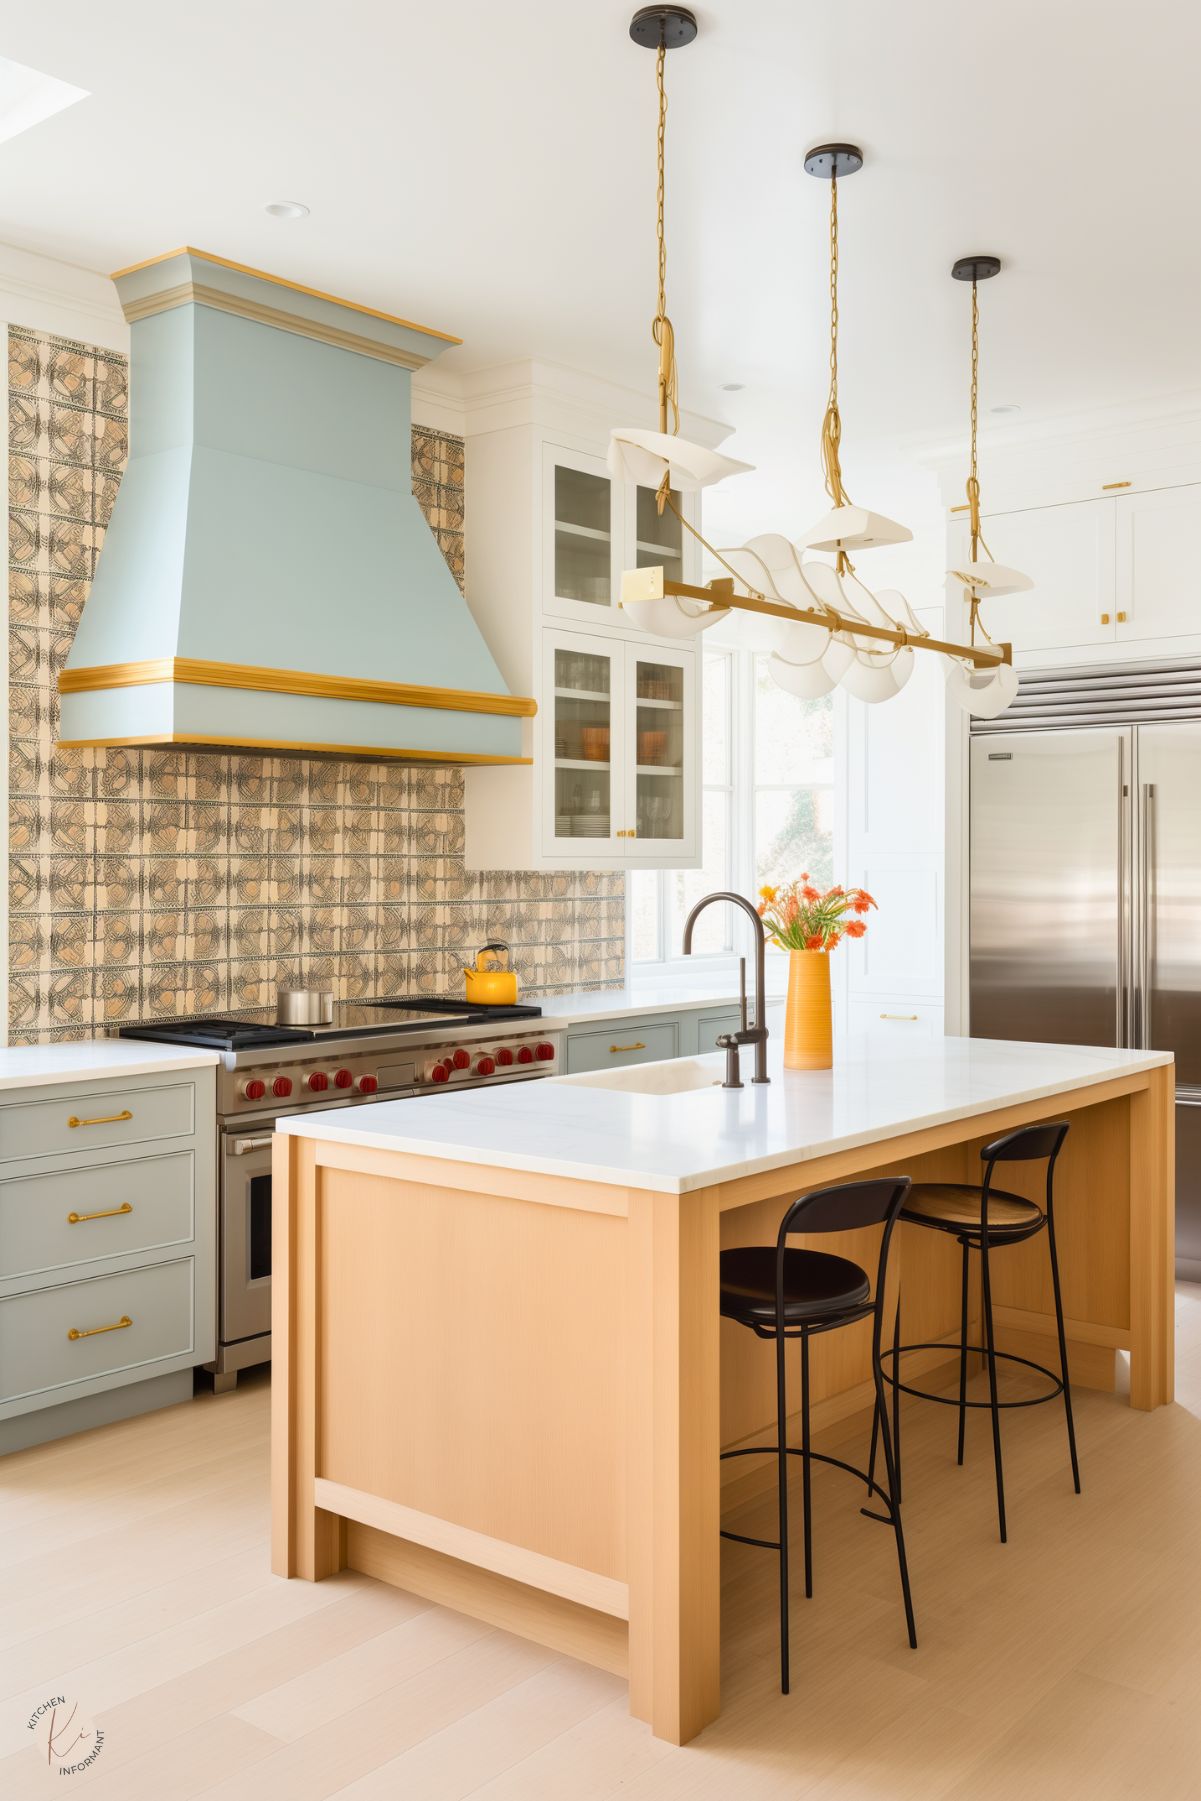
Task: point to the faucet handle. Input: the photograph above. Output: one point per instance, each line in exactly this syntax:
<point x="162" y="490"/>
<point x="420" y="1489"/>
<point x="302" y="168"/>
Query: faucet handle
<point x="742" y="993"/>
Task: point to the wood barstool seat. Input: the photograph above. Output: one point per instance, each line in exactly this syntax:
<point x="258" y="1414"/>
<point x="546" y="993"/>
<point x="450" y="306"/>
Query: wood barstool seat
<point x="958" y="1204"/>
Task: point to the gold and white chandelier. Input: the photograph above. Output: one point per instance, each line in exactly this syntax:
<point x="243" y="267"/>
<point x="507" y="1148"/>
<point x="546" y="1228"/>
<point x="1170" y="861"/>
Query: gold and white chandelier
<point x="818" y="620"/>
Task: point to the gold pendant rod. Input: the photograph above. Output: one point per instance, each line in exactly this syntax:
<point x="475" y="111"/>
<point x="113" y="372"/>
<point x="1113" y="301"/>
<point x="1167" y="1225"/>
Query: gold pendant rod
<point x="720" y="593"/>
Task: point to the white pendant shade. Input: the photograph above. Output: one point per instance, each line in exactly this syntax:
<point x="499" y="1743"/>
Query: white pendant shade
<point x="769" y="565"/>
<point x="809" y="681"/>
<point x="642" y="457"/>
<point x="873" y="678"/>
<point x="853" y="528"/>
<point x="984" y="693"/>
<point x="991" y="579"/>
<point x="671" y="617"/>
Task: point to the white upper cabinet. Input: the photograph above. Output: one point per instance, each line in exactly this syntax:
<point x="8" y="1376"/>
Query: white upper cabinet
<point x="1158" y="589"/>
<point x="583" y="537"/>
<point x="1069" y="554"/>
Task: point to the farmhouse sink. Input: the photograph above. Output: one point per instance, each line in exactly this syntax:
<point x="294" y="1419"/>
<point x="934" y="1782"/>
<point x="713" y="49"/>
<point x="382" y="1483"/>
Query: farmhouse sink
<point x="676" y="1077"/>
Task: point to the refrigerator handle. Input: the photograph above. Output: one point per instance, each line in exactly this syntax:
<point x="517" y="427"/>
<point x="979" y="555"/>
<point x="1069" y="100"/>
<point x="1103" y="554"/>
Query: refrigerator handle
<point x="1123" y="993"/>
<point x="1146" y="924"/>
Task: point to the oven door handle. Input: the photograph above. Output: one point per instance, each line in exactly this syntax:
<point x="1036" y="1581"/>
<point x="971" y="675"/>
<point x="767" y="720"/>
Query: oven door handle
<point x="240" y="1146"/>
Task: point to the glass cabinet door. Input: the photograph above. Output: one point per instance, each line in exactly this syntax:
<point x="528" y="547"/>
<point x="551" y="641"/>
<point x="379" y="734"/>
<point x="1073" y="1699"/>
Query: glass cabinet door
<point x="661" y="715"/>
<point x="583" y="797"/>
<point x="583" y="542"/>
<point x="658" y="537"/>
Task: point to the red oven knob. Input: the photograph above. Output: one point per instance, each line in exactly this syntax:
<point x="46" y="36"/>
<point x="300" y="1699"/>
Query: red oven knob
<point x="318" y="1081"/>
<point x="546" y="1053"/>
<point x="254" y="1090"/>
<point x="440" y="1073"/>
<point x="485" y="1066"/>
<point x="504" y="1057"/>
<point x="281" y="1087"/>
<point x="342" y="1078"/>
<point x="525" y="1054"/>
<point x="461" y="1060"/>
<point x="370" y="1084"/>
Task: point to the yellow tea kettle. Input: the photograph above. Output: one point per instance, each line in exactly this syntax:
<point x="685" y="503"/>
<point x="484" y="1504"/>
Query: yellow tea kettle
<point x="489" y="983"/>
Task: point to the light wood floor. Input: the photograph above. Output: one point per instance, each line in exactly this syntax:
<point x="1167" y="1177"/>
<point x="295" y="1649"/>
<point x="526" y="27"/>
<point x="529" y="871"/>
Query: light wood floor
<point x="1068" y="1663"/>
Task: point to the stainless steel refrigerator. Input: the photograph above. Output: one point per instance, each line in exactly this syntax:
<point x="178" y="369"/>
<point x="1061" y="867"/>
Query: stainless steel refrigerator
<point x="1085" y="928"/>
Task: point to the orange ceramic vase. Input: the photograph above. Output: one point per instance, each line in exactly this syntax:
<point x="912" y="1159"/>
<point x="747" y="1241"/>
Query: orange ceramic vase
<point x="808" y="1036"/>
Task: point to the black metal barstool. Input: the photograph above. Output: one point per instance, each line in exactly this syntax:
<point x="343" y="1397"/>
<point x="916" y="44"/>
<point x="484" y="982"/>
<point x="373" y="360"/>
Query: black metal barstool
<point x="780" y="1294"/>
<point x="985" y="1219"/>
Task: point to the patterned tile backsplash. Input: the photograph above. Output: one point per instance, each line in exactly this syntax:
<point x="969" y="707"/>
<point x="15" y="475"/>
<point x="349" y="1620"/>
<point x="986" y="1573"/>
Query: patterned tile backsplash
<point x="149" y="883"/>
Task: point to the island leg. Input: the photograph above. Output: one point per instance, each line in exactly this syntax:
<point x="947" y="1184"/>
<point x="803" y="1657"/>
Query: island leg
<point x="306" y="1541"/>
<point x="674" y="1471"/>
<point x="1153" y="1239"/>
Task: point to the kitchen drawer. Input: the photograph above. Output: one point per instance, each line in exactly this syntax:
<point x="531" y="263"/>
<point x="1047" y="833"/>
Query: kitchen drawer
<point x="895" y="1019"/>
<point x="621" y="1044"/>
<point x="37" y="1356"/>
<point x="102" y="1117"/>
<point x="710" y="1026"/>
<point x="50" y="1222"/>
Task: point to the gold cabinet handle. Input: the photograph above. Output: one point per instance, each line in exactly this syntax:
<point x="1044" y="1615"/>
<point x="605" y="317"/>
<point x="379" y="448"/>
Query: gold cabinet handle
<point x="1121" y="618"/>
<point x="95" y="1331"/>
<point x="101" y="1119"/>
<point x="905" y="1016"/>
<point x="1105" y="619"/>
<point x="638" y="1046"/>
<point x="1106" y="486"/>
<point x="77" y="1219"/>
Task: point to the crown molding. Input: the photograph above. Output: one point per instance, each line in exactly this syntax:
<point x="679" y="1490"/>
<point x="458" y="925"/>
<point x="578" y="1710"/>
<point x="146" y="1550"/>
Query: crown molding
<point x="62" y="298"/>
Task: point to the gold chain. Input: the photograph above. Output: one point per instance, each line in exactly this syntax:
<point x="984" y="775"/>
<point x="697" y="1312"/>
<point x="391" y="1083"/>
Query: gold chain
<point x="832" y="422"/>
<point x="973" y="479"/>
<point x="661" y="328"/>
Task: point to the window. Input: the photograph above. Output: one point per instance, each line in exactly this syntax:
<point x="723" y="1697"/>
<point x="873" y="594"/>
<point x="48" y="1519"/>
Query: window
<point x="767" y="810"/>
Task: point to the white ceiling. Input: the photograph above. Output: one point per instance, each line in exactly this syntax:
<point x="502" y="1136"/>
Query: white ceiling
<point x="489" y="169"/>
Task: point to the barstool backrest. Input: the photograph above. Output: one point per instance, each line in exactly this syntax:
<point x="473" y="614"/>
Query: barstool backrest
<point x="1029" y="1144"/>
<point x="848" y="1207"/>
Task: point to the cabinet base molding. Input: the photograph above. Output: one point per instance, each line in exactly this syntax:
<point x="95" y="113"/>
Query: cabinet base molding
<point x="48" y="1423"/>
<point x="595" y="1638"/>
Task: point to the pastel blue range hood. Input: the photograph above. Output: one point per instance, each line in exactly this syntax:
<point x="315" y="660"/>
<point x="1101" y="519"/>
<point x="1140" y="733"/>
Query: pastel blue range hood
<point x="268" y="580"/>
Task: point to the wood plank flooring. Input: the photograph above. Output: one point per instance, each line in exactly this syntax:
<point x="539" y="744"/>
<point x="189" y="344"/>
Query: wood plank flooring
<point x="134" y="1577"/>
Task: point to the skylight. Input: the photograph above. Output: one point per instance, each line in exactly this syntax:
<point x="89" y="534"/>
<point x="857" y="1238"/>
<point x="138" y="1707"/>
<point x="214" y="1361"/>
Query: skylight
<point x="27" y="97"/>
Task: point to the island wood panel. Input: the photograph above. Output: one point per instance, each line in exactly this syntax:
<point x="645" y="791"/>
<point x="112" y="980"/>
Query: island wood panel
<point x="489" y="1334"/>
<point x="639" y="1355"/>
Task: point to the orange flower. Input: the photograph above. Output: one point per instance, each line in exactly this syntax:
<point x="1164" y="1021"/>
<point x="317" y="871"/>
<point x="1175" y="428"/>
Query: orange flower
<point x="855" y="928"/>
<point x="831" y="892"/>
<point x="832" y="940"/>
<point x="792" y="909"/>
<point x="761" y="909"/>
<point x="862" y="901"/>
<point x="810" y="894"/>
<point x="814" y="943"/>
<point x="804" y="875"/>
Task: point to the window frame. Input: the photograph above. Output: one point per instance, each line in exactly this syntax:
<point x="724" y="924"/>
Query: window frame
<point x="709" y="967"/>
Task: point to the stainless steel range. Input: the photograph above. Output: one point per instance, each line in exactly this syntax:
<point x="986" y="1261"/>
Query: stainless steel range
<point x="368" y="1051"/>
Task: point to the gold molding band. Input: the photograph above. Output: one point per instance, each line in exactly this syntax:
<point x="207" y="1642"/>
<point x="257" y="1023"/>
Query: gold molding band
<point x="193" y="292"/>
<point x="371" y="753"/>
<point x="279" y="281"/>
<point x="197" y="672"/>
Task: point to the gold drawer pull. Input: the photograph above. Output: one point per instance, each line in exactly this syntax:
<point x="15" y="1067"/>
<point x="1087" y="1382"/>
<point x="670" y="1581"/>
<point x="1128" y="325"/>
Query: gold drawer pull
<point x="905" y="1016"/>
<point x="1121" y="618"/>
<point x="77" y="1219"/>
<point x="1105" y="619"/>
<point x="614" y="1048"/>
<point x="102" y="1119"/>
<point x="95" y="1331"/>
<point x="1106" y="486"/>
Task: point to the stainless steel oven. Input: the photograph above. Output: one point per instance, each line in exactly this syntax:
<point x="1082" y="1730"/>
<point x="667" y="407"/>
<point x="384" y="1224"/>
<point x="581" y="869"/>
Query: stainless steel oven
<point x="245" y="1243"/>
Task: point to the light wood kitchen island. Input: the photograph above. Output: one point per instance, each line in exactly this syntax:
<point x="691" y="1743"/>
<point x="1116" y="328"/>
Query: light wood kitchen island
<point x="500" y="1376"/>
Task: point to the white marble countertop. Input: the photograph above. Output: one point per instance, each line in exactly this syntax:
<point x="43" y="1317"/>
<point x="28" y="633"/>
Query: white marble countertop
<point x="93" y="1059"/>
<point x="563" y="1010"/>
<point x="564" y="1126"/>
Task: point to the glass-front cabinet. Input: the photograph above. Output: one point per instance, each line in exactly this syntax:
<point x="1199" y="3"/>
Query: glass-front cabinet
<point x="621" y="777"/>
<point x="594" y="529"/>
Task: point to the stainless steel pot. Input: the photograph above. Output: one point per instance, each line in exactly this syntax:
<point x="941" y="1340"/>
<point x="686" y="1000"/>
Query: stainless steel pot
<point x="304" y="1006"/>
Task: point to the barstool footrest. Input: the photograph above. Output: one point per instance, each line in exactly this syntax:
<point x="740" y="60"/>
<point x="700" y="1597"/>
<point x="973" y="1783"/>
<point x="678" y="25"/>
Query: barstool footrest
<point x="872" y="1486"/>
<point x="894" y="1353"/>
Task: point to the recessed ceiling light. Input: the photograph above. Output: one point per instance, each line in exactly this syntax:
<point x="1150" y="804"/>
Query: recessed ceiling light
<point x="1010" y="407"/>
<point x="287" y="209"/>
<point x="732" y="387"/>
<point x="27" y="97"/>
